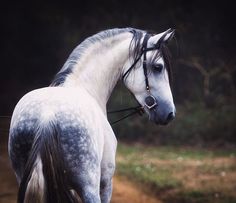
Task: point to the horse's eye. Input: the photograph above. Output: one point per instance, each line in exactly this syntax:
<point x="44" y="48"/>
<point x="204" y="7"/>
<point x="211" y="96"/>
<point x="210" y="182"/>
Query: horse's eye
<point x="157" y="67"/>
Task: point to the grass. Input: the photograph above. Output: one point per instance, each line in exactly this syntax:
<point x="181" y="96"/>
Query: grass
<point x="171" y="153"/>
<point x="160" y="178"/>
<point x="180" y="174"/>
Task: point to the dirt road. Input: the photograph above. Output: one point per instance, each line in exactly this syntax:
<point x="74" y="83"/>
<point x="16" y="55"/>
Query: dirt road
<point x="125" y="191"/>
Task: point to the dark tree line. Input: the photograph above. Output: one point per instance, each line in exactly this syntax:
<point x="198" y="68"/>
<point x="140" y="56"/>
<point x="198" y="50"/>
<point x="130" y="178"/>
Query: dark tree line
<point x="37" y="37"/>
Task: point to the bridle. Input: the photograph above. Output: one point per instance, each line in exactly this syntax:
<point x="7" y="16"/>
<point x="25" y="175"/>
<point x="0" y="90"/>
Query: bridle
<point x="150" y="101"/>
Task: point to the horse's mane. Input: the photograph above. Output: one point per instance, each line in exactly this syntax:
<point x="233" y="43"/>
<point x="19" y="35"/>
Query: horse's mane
<point x="76" y="54"/>
<point x="135" y="49"/>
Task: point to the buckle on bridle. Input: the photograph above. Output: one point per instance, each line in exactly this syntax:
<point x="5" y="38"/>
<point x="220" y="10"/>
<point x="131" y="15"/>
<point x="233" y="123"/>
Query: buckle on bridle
<point x="150" y="102"/>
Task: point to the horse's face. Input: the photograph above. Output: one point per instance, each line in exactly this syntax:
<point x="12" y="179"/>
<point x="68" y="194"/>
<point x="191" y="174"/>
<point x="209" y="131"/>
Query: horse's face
<point x="158" y="80"/>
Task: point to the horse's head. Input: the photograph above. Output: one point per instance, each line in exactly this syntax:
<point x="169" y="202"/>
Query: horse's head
<point x="149" y="77"/>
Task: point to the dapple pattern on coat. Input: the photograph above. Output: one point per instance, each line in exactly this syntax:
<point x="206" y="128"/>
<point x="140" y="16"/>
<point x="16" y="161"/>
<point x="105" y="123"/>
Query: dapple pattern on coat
<point x="61" y="145"/>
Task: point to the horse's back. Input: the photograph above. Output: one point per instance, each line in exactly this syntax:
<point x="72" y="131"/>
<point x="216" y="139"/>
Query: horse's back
<point x="68" y="114"/>
<point x="49" y="103"/>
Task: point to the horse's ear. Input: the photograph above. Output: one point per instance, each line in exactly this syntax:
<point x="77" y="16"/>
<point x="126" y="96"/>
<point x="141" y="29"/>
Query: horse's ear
<point x="162" y="37"/>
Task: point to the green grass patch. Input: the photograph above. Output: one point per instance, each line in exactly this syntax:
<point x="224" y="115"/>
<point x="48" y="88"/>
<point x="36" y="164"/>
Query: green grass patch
<point x="170" y="152"/>
<point x="217" y="170"/>
<point x="157" y="169"/>
<point x="196" y="196"/>
<point x="156" y="179"/>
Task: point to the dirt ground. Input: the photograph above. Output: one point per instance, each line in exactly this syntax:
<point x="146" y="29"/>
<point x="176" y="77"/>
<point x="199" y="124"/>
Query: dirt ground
<point x="124" y="191"/>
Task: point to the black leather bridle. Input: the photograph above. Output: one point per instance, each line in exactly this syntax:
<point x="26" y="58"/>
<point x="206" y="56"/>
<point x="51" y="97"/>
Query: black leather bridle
<point x="150" y="100"/>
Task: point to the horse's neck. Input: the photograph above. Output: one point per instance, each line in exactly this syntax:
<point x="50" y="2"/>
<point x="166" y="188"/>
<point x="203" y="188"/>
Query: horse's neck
<point x="100" y="67"/>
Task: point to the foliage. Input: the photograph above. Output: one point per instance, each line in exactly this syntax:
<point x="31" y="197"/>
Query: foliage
<point x="42" y="35"/>
<point x="195" y="124"/>
<point x="198" y="124"/>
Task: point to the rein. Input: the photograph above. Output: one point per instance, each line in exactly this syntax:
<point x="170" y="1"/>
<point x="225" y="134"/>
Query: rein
<point x="150" y="101"/>
<point x="135" y="110"/>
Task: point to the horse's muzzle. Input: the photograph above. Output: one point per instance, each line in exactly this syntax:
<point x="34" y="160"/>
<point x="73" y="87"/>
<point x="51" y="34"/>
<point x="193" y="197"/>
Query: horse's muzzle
<point x="161" y="115"/>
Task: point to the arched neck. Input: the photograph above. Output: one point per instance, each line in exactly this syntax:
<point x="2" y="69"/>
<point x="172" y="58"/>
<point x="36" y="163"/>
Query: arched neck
<point x="100" y="67"/>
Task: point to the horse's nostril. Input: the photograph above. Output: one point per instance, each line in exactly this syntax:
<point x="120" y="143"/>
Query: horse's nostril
<point x="170" y="116"/>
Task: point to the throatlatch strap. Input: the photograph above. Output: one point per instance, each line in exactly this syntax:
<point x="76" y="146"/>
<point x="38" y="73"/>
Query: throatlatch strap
<point x="147" y="36"/>
<point x="131" y="67"/>
<point x="144" y="50"/>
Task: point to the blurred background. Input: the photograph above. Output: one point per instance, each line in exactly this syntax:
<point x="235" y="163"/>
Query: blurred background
<point x="37" y="38"/>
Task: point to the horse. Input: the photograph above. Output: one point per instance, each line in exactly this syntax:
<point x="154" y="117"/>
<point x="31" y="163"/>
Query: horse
<point x="61" y="144"/>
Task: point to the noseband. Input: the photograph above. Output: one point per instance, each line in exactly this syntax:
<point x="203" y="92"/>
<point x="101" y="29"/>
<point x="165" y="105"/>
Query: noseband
<point x="150" y="101"/>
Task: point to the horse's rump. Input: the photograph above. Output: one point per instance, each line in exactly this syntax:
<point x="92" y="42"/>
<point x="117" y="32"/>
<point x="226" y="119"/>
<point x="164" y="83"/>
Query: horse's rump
<point x="44" y="178"/>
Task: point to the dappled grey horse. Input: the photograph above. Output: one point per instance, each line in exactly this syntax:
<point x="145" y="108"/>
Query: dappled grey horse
<point x="61" y="144"/>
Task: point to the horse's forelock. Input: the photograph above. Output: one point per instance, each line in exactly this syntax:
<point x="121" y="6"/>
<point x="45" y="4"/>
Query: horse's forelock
<point x="136" y="49"/>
